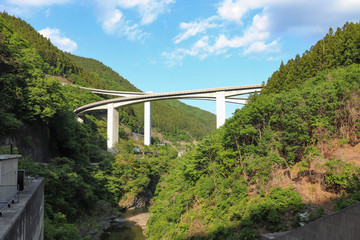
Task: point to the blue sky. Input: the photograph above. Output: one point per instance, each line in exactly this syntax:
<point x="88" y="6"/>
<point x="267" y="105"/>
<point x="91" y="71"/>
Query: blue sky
<point x="174" y="45"/>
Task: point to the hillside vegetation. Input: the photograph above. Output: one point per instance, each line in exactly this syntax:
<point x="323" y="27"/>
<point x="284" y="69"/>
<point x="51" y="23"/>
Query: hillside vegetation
<point x="340" y="48"/>
<point x="36" y="113"/>
<point x="275" y="165"/>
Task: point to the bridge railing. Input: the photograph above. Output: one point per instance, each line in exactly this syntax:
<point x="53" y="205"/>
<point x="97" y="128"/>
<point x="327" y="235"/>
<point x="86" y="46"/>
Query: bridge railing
<point x="8" y="194"/>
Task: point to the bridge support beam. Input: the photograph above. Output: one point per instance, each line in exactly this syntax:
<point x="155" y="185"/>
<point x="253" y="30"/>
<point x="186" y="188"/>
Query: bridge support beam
<point x="147" y="123"/>
<point x="220" y="108"/>
<point x="112" y="127"/>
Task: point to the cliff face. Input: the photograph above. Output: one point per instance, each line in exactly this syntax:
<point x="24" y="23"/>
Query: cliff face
<point x="32" y="141"/>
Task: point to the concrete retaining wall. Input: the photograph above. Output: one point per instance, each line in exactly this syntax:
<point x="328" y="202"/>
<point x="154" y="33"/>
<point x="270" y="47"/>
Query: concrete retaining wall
<point x="344" y="224"/>
<point x="25" y="219"/>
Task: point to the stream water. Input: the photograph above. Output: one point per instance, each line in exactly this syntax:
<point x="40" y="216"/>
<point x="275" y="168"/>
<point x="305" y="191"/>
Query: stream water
<point x="122" y="229"/>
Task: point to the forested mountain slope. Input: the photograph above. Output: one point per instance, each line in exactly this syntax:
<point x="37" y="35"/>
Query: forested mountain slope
<point x="105" y="74"/>
<point x="278" y="163"/>
<point x="172" y="117"/>
<point x="32" y="103"/>
<point x="36" y="113"/>
<point x="188" y="122"/>
<point x="340" y="48"/>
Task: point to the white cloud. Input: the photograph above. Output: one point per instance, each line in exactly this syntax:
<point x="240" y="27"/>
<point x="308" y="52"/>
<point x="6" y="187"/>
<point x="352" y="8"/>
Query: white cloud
<point x="59" y="40"/>
<point x="133" y="32"/>
<point x="115" y="23"/>
<point x="150" y="10"/>
<point x="113" y="19"/>
<point x="261" y="46"/>
<point x="233" y="11"/>
<point x="253" y="40"/>
<point x="254" y="27"/>
<point x="346" y="5"/>
<point x="272" y="58"/>
<point x="147" y="9"/>
<point x="111" y="13"/>
<point x="48" y="12"/>
<point x="194" y="28"/>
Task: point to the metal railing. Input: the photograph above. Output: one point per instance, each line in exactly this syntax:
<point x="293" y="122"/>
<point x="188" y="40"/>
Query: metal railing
<point x="8" y="194"/>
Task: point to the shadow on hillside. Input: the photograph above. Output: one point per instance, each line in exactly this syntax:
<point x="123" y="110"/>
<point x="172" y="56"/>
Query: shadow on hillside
<point x="316" y="223"/>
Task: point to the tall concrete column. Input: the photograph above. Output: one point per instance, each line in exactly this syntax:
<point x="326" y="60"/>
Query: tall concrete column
<point x="220" y="108"/>
<point x="112" y="126"/>
<point x="147" y="123"/>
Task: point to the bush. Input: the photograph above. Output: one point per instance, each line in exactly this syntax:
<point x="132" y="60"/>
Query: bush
<point x="342" y="175"/>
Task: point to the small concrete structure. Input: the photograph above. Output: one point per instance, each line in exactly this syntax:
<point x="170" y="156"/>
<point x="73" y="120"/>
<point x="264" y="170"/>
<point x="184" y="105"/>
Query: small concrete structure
<point x="8" y="169"/>
<point x="220" y="109"/>
<point x="344" y="224"/>
<point x="112" y="126"/>
<point x="25" y="219"/>
<point x="8" y="180"/>
<point x="147" y="123"/>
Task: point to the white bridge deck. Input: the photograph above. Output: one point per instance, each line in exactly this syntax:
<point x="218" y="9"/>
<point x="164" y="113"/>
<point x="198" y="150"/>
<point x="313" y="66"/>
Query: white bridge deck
<point x="220" y="95"/>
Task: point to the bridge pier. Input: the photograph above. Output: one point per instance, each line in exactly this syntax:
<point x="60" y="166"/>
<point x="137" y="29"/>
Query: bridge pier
<point x="147" y="123"/>
<point x="112" y="126"/>
<point x="220" y="108"/>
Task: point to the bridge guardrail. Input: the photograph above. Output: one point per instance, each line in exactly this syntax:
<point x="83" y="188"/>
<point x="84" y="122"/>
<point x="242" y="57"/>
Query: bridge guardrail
<point x="8" y="194"/>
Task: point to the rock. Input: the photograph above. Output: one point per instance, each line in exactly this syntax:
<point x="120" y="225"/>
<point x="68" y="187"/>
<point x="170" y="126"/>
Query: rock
<point x="140" y="219"/>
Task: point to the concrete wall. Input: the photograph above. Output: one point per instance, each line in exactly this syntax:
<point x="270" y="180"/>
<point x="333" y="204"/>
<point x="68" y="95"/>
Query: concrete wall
<point x="344" y="224"/>
<point x="8" y="178"/>
<point x="31" y="140"/>
<point x="25" y="219"/>
<point x="8" y="169"/>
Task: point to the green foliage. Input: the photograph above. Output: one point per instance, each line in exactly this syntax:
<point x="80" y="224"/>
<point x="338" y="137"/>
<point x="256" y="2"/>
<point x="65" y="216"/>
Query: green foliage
<point x="208" y="188"/>
<point x="268" y="210"/>
<point x="342" y="175"/>
<point x="71" y="191"/>
<point x="56" y="61"/>
<point x="32" y="99"/>
<point x="211" y="179"/>
<point x="343" y="141"/>
<point x="343" y="201"/>
<point x="340" y="48"/>
<point x="291" y="121"/>
<point x="59" y="229"/>
<point x="311" y="214"/>
<point x="111" y="79"/>
<point x="131" y="175"/>
<point x="7" y="150"/>
<point x="45" y="98"/>
<point x="310" y="152"/>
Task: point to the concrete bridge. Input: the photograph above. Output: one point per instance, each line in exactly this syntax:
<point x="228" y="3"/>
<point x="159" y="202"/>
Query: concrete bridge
<point x="220" y="95"/>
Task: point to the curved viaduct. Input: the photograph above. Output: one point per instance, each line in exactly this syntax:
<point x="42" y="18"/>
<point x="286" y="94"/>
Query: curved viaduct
<point x="220" y="95"/>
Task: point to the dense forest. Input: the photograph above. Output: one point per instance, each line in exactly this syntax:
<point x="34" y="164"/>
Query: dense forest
<point x="340" y="48"/>
<point x="279" y="162"/>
